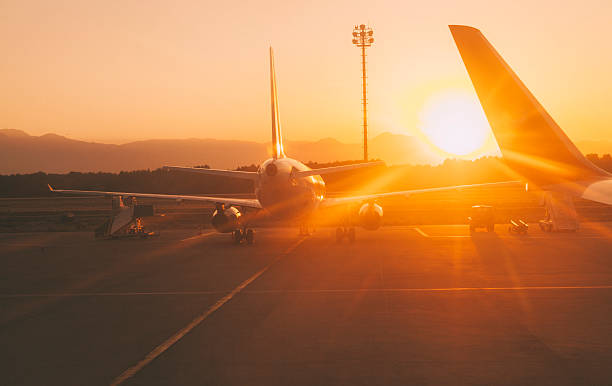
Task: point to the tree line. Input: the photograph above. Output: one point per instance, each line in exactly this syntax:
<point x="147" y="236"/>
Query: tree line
<point x="375" y="179"/>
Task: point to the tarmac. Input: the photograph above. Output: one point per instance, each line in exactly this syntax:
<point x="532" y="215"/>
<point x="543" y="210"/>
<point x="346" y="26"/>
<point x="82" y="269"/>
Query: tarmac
<point x="402" y="305"/>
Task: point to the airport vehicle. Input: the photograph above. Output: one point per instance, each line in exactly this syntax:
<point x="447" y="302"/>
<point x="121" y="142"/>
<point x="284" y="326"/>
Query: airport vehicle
<point x="532" y="144"/>
<point x="518" y="226"/>
<point x="284" y="188"/>
<point x="482" y="216"/>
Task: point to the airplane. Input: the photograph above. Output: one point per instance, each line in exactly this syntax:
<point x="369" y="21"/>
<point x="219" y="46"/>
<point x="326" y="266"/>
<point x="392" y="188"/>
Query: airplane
<point x="284" y="188"/>
<point x="530" y="140"/>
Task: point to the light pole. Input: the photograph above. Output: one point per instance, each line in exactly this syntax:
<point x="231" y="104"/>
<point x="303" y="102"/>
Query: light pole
<point x="363" y="38"/>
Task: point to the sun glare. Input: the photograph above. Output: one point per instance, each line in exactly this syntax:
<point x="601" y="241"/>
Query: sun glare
<point x="454" y="122"/>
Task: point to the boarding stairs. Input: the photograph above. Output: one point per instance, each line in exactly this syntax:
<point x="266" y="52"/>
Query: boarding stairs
<point x="125" y="218"/>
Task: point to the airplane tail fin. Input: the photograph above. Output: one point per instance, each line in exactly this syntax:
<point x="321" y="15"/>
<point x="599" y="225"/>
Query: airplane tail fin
<point x="277" y="137"/>
<point x="530" y="140"/>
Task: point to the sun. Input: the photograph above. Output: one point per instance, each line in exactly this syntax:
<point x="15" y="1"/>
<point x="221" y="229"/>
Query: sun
<point x="454" y="122"/>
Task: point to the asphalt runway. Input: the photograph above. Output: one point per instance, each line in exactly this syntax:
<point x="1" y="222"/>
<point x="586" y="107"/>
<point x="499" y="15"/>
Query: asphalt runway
<point x="420" y="305"/>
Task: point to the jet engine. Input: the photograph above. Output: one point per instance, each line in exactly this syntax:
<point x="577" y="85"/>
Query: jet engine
<point x="226" y="220"/>
<point x="370" y="216"/>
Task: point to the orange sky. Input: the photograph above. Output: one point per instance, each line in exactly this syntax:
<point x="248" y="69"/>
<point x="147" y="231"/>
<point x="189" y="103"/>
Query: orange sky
<point x="122" y="70"/>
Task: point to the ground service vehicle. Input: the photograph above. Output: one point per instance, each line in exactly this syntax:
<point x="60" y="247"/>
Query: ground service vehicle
<point x="518" y="226"/>
<point x="482" y="216"/>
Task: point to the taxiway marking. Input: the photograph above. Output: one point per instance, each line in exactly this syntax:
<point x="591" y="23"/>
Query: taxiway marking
<point x="200" y="236"/>
<point x="157" y="351"/>
<point x="513" y="237"/>
<point x="422" y="233"/>
<point x="447" y="289"/>
<point x="306" y="291"/>
<point x="135" y="293"/>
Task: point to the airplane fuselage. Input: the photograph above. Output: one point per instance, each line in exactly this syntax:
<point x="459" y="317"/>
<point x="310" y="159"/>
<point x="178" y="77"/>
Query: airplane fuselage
<point x="282" y="194"/>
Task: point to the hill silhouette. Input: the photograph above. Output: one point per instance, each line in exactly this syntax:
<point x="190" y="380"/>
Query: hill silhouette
<point x="52" y="153"/>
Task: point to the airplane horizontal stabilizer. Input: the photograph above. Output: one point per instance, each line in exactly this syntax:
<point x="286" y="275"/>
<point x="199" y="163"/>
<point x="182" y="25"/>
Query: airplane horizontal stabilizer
<point x="336" y="169"/>
<point x="215" y="172"/>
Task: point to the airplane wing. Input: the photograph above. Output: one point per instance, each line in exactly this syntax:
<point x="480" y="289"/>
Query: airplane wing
<point x="216" y="172"/>
<point x="246" y="202"/>
<point x="335" y="169"/>
<point x="329" y="202"/>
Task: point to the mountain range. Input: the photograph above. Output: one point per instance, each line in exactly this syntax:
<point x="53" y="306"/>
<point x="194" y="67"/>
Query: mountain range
<point x="52" y="153"/>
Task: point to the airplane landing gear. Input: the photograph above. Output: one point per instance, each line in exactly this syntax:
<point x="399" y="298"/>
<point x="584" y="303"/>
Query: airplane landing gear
<point x="339" y="234"/>
<point x="246" y="234"/>
<point x="347" y="229"/>
<point x="250" y="235"/>
<point x="305" y="230"/>
<point x="237" y="236"/>
<point x="348" y="232"/>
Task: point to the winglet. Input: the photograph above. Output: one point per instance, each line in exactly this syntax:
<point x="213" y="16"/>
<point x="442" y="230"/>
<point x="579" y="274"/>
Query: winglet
<point x="277" y="138"/>
<point x="50" y="188"/>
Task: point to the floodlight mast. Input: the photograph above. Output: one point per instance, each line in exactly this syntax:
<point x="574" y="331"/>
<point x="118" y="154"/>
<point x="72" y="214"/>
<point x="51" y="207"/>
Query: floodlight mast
<point x="363" y="38"/>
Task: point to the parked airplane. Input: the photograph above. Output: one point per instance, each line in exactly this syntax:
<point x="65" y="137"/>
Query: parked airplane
<point x="284" y="188"/>
<point x="531" y="142"/>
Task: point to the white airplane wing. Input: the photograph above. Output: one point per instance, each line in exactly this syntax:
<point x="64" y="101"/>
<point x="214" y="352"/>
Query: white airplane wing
<point x="335" y="201"/>
<point x="246" y="202"/>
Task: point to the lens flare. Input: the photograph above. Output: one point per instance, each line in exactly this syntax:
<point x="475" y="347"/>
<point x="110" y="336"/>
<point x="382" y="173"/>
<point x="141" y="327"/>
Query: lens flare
<point x="455" y="122"/>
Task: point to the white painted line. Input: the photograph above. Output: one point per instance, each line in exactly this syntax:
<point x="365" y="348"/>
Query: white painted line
<point x="86" y="294"/>
<point x="313" y="291"/>
<point x="507" y="236"/>
<point x="200" y="236"/>
<point x="511" y="237"/>
<point x="451" y="289"/>
<point x="157" y="351"/>
<point x="421" y="232"/>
